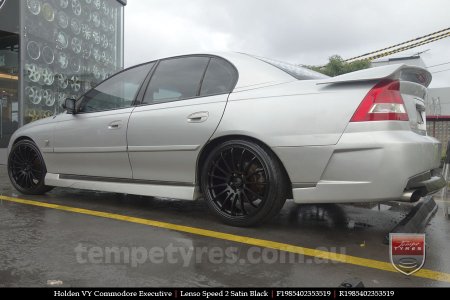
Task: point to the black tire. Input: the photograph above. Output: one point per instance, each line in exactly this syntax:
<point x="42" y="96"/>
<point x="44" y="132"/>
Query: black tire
<point x="244" y="184"/>
<point x="26" y="169"/>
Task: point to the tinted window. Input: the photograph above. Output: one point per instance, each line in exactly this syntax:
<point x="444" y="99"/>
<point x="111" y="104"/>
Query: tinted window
<point x="117" y="92"/>
<point x="176" y="79"/>
<point x="220" y="78"/>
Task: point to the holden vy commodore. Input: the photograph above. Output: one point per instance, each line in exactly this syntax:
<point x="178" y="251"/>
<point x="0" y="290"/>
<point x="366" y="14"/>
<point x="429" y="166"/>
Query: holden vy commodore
<point x="245" y="133"/>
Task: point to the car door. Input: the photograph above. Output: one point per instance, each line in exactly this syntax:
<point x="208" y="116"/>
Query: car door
<point x="182" y="107"/>
<point x="93" y="141"/>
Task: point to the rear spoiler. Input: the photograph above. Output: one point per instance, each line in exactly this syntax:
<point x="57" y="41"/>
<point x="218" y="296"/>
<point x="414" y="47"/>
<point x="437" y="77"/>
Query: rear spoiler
<point x="396" y="72"/>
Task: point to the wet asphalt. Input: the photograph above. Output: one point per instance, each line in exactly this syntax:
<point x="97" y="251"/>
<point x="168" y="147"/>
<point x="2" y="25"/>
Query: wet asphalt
<point x="41" y="246"/>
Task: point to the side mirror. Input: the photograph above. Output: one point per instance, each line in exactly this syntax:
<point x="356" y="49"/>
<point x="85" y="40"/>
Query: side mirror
<point x="70" y="106"/>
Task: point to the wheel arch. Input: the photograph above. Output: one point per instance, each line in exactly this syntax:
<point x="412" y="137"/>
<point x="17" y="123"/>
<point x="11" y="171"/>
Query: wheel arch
<point x="212" y="144"/>
<point x="22" y="138"/>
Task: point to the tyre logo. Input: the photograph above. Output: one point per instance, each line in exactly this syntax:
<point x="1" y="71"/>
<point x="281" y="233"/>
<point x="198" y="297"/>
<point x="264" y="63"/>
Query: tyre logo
<point x="407" y="252"/>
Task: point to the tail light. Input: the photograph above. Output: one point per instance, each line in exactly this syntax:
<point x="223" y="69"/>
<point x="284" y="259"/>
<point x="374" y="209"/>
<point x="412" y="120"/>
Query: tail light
<point x="383" y="103"/>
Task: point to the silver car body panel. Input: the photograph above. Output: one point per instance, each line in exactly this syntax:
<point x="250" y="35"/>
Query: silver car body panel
<point x="100" y="150"/>
<point x="305" y="122"/>
<point x="165" y="139"/>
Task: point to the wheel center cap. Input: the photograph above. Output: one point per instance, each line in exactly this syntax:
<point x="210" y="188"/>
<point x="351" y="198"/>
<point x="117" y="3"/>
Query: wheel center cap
<point x="237" y="182"/>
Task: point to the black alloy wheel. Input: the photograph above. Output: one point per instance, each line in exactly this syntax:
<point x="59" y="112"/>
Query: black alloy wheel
<point x="26" y="169"/>
<point x="243" y="183"/>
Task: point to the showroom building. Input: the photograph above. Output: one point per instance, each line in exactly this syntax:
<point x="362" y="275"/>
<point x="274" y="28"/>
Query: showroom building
<point x="51" y="50"/>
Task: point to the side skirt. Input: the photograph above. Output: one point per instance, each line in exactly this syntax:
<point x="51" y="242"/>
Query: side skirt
<point x="125" y="186"/>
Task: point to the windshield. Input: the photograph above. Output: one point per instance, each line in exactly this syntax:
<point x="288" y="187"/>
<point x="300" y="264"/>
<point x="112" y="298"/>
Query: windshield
<point x="298" y="72"/>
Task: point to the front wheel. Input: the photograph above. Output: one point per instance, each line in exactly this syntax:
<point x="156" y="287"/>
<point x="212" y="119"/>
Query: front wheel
<point x="26" y="169"/>
<point x="243" y="183"/>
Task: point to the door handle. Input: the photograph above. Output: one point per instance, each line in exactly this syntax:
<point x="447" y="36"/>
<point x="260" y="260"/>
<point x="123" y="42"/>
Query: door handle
<point x="115" y="125"/>
<point x="198" y="117"/>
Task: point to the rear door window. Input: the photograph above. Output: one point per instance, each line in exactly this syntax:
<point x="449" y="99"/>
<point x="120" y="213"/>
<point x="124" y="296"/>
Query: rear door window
<point x="176" y="79"/>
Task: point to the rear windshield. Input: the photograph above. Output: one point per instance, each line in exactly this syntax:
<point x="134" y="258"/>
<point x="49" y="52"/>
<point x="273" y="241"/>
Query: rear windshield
<point x="297" y="72"/>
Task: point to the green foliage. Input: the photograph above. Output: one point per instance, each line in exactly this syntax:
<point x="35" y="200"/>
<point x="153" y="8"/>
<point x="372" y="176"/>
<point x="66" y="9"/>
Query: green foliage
<point x="337" y="66"/>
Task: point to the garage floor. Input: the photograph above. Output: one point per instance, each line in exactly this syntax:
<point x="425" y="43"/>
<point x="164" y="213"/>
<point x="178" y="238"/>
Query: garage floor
<point x="100" y="239"/>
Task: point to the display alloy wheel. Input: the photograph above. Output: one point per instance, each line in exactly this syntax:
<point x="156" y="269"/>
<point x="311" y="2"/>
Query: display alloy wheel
<point x="26" y="169"/>
<point x="243" y="183"/>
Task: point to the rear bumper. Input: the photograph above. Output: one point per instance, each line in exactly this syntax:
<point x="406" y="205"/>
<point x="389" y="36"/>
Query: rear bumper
<point x="368" y="166"/>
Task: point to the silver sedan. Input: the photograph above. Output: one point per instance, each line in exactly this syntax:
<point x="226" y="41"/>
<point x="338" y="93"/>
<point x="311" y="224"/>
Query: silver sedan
<point x="243" y="132"/>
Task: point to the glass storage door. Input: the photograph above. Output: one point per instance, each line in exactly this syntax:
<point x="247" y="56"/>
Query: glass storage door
<point x="68" y="47"/>
<point x="9" y="85"/>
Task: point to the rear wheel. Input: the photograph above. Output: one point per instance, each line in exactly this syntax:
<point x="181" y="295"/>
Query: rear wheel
<point x="243" y="183"/>
<point x="26" y="169"/>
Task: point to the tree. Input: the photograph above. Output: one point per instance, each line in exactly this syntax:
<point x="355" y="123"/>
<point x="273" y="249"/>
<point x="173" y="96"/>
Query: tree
<point x="337" y="66"/>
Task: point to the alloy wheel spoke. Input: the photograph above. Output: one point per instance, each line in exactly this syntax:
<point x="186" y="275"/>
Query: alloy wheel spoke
<point x="241" y="201"/>
<point x="232" y="159"/>
<point x="240" y="163"/>
<point x="225" y="163"/>
<point x="220" y="194"/>
<point x="249" y="201"/>
<point x="218" y="185"/>
<point x="258" y="196"/>
<point x="216" y="165"/>
<point x="250" y="163"/>
<point x="225" y="201"/>
<point x="233" y="206"/>
<point x="217" y="177"/>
